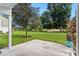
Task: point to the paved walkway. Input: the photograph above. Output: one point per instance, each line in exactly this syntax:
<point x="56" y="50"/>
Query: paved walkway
<point x="37" y="48"/>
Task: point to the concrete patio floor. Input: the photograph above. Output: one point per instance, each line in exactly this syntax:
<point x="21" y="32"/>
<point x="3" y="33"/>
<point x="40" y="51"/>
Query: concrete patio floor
<point x="37" y="48"/>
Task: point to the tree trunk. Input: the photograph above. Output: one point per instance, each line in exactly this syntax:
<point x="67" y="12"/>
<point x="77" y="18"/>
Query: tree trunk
<point x="60" y="29"/>
<point x="53" y="29"/>
<point x="26" y="31"/>
<point x="47" y="30"/>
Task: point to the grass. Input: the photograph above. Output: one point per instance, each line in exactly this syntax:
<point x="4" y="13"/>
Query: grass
<point x="19" y="37"/>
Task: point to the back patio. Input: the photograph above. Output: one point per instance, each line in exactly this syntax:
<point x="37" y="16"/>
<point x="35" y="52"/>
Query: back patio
<point x="37" y="48"/>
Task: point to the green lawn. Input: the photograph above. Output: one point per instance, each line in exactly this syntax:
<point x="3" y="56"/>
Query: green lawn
<point x="19" y="37"/>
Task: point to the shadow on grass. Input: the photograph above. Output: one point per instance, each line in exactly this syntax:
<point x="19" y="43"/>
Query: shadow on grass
<point x="21" y="36"/>
<point x="18" y="39"/>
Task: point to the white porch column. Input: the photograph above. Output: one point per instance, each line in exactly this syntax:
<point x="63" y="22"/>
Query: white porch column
<point x="10" y="30"/>
<point x="77" y="31"/>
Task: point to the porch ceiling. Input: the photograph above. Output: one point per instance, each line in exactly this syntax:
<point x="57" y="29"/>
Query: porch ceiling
<point x="5" y="7"/>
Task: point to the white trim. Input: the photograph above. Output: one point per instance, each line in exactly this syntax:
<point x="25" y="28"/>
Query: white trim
<point x="10" y="30"/>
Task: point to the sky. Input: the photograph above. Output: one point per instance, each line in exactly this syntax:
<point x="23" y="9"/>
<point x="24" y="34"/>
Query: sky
<point x="43" y="7"/>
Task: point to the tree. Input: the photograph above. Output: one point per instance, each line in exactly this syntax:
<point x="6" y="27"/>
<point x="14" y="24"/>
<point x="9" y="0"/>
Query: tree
<point x="59" y="13"/>
<point x="35" y="24"/>
<point x="46" y="20"/>
<point x="23" y="13"/>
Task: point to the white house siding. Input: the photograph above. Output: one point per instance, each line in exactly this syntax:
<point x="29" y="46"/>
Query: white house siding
<point x="3" y="24"/>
